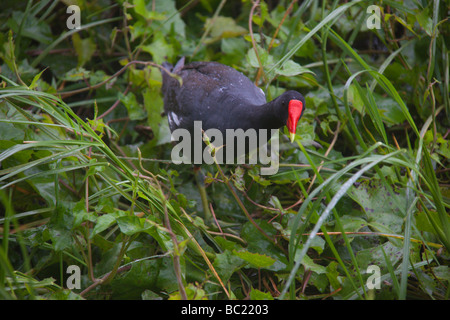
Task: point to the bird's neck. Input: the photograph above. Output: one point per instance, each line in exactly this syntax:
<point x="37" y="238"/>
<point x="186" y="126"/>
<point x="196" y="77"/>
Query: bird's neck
<point x="268" y="116"/>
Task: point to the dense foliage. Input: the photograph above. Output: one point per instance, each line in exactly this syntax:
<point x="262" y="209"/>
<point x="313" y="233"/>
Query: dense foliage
<point x="86" y="178"/>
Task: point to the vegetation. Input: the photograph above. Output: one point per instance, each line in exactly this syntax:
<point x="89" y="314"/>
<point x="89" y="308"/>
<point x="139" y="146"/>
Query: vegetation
<point x="86" y="178"/>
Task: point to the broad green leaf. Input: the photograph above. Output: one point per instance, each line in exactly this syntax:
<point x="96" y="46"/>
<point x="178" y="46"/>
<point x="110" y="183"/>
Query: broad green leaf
<point x="60" y="228"/>
<point x="265" y="58"/>
<point x="352" y="224"/>
<point x="103" y="223"/>
<point x="259" y="179"/>
<point x="375" y="256"/>
<point x="140" y="8"/>
<point x="9" y="132"/>
<point x="401" y="21"/>
<point x="166" y="8"/>
<point x="77" y="74"/>
<point x="156" y="275"/>
<point x="238" y="179"/>
<point x="291" y="68"/>
<point x="385" y="222"/>
<point x="355" y="98"/>
<point x="260" y="18"/>
<point x="333" y="275"/>
<point x="442" y="272"/>
<point x="309" y="264"/>
<point x="223" y="27"/>
<point x="154" y="105"/>
<point x="374" y="197"/>
<point x="425" y="21"/>
<point x="259" y="243"/>
<point x="192" y="293"/>
<point x="226" y="264"/>
<point x="80" y="214"/>
<point x="131" y="225"/>
<point x="32" y="28"/>
<point x="255" y="259"/>
<point x="135" y="110"/>
<point x="255" y="294"/>
<point x="160" y="49"/>
<point x="84" y="48"/>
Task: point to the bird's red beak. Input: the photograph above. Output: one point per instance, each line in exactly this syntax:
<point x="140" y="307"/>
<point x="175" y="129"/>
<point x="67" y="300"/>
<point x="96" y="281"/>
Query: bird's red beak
<point x="295" y="111"/>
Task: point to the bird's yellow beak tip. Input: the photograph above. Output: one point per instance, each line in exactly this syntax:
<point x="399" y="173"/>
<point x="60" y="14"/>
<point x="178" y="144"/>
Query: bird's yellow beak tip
<point x="292" y="136"/>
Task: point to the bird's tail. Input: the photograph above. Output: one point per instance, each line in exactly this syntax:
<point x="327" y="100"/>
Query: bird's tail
<point x="172" y="75"/>
<point x="166" y="65"/>
<point x="179" y="65"/>
<point x="169" y="67"/>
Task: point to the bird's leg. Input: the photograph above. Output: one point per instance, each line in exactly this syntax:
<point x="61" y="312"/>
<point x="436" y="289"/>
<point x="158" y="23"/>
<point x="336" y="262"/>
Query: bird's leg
<point x="200" y="178"/>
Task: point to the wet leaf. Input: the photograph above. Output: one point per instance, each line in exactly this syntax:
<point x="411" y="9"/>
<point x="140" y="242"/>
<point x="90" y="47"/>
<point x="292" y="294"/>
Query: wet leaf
<point x="375" y="256"/>
<point x="374" y="197"/>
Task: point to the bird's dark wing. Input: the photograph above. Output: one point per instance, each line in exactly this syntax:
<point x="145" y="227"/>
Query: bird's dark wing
<point x="210" y="92"/>
<point x="224" y="81"/>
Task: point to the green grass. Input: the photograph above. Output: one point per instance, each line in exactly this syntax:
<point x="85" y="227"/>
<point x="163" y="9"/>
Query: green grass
<point x="86" y="178"/>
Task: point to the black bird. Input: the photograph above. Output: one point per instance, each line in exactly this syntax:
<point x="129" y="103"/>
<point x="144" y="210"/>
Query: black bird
<point x="223" y="98"/>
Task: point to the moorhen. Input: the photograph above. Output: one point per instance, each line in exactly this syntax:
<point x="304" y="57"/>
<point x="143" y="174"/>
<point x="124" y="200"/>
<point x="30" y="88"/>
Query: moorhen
<point x="223" y="98"/>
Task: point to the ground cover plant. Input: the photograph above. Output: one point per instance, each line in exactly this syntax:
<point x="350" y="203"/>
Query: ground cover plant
<point x="91" y="207"/>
